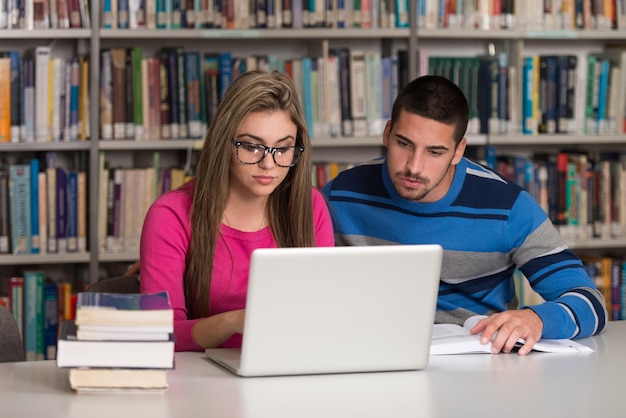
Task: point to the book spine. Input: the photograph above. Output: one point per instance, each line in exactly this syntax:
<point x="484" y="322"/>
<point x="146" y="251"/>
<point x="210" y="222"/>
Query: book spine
<point x="19" y="196"/>
<point x="118" y="92"/>
<point x="16" y="96"/>
<point x="61" y="209"/>
<point x="43" y="212"/>
<point x="164" y="100"/>
<point x="129" y="130"/>
<point x="172" y="93"/>
<point x="5" y="230"/>
<point x="50" y="320"/>
<point x="5" y="99"/>
<point x="34" y="206"/>
<point x="33" y="319"/>
<point x="81" y="212"/>
<point x="106" y="95"/>
<point x="72" y="211"/>
<point x="181" y="75"/>
<point x="16" y="300"/>
<point x="83" y="103"/>
<point x="42" y="71"/>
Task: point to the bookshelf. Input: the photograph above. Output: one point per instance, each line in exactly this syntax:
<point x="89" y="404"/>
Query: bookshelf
<point x="95" y="263"/>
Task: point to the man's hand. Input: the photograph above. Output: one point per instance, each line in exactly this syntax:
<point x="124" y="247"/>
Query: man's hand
<point x="508" y="327"/>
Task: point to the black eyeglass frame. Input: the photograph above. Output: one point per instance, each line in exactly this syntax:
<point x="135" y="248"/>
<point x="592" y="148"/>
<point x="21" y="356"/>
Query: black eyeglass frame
<point x="298" y="150"/>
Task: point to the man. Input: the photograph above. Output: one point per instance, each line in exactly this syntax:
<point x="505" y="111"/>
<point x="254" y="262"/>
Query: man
<point x="425" y="191"/>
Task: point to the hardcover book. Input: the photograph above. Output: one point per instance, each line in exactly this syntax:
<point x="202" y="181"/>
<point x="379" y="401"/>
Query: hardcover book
<point x="90" y="379"/>
<point x="145" y="309"/>
<point x="72" y="352"/>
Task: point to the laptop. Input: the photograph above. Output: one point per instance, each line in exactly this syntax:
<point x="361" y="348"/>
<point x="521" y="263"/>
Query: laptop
<point x="337" y="310"/>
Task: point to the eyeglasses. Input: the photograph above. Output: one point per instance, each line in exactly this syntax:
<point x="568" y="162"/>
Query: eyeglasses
<point x="249" y="153"/>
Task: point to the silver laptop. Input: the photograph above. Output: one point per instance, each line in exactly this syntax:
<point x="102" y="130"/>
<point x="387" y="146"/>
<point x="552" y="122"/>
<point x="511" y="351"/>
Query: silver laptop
<point x="337" y="310"/>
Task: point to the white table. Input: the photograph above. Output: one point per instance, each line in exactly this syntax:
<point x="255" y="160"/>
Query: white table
<point x="538" y="385"/>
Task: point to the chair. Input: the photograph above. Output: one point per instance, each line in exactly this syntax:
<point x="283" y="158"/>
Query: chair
<point x="11" y="346"/>
<point x="119" y="284"/>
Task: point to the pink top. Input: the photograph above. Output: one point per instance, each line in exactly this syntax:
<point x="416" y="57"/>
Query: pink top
<point x="164" y="242"/>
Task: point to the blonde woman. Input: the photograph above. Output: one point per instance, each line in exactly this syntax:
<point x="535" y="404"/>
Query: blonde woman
<point x="252" y="189"/>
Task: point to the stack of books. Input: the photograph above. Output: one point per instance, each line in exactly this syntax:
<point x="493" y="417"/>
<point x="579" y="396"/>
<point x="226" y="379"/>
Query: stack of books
<point x="118" y="343"/>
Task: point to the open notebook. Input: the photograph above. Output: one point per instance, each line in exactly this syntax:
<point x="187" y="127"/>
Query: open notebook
<point x="337" y="310"/>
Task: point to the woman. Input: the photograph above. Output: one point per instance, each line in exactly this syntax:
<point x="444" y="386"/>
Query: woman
<point x="252" y="189"/>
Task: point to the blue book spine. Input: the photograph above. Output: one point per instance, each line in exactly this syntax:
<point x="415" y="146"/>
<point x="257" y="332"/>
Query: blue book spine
<point x="601" y="121"/>
<point x="307" y="93"/>
<point x="34" y="206"/>
<point x="341" y="13"/>
<point x="527" y="96"/>
<point x="19" y="197"/>
<point x="107" y="15"/>
<point x="387" y="87"/>
<point x="33" y="315"/>
<point x="50" y="320"/>
<point x="122" y="14"/>
<point x="72" y="211"/>
<point x="402" y="13"/>
<point x="226" y="72"/>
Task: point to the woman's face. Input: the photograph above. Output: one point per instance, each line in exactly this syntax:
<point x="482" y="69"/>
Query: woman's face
<point x="252" y="179"/>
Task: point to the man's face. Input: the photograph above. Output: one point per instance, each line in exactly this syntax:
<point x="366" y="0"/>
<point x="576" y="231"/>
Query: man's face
<point x="421" y="156"/>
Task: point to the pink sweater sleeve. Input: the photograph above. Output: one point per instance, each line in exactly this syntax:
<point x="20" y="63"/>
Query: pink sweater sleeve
<point x="165" y="240"/>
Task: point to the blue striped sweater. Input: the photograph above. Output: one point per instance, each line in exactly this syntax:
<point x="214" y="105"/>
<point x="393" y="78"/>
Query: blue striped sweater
<point x="488" y="227"/>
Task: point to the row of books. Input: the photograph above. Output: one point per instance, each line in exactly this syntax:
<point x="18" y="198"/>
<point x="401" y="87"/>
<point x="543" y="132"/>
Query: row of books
<point x="39" y="305"/>
<point x="609" y="276"/>
<point x="262" y="14"/>
<point x="44" y="14"/>
<point x="583" y="194"/>
<point x="43" y="98"/>
<point x="176" y="94"/>
<point x="546" y="101"/>
<point x="43" y="208"/>
<point x="324" y="171"/>
<point x="118" y="343"/>
<point x="125" y="194"/>
<point x="522" y="14"/>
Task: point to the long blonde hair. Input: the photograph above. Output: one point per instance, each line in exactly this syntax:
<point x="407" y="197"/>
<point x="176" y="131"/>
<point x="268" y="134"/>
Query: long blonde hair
<point x="289" y="208"/>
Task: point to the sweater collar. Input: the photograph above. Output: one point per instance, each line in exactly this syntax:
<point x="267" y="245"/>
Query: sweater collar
<point x="433" y="207"/>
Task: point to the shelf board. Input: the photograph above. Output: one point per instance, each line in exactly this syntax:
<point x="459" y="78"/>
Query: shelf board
<point x="291" y="34"/>
<point x="118" y="257"/>
<point x="597" y="244"/>
<point x="562" y="139"/>
<point x="34" y="259"/>
<point x="44" y="146"/>
<point x="181" y="144"/>
<point x="160" y="144"/>
<point x="517" y="34"/>
<point x="45" y="33"/>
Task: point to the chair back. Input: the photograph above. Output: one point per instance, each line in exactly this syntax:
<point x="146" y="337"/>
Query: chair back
<point x="11" y="345"/>
<point x="119" y="284"/>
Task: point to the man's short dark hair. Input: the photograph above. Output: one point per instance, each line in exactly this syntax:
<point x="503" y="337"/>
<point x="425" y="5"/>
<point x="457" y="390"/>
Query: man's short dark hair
<point x="437" y="98"/>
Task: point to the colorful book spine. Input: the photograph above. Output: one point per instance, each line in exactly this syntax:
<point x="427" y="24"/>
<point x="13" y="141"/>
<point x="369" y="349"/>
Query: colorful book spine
<point x="34" y="206"/>
<point x="33" y="315"/>
<point x="50" y="320"/>
<point x="61" y="209"/>
<point x="19" y="196"/>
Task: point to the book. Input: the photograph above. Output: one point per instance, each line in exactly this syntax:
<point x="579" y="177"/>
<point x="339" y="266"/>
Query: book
<point x="127" y="333"/>
<point x="72" y="352"/>
<point x="116" y="309"/>
<point x="457" y="339"/>
<point x="90" y="379"/>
